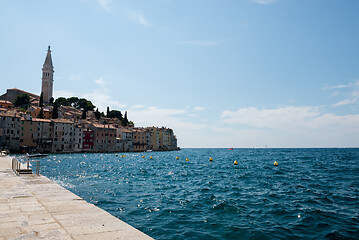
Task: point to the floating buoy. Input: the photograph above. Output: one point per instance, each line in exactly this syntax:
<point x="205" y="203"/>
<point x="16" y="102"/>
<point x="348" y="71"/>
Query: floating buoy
<point x="275" y="163"/>
<point x="211" y="159"/>
<point x="151" y="157"/>
<point x="143" y="156"/>
<point x="116" y="154"/>
<point x="177" y="158"/>
<point x="187" y="159"/>
<point x="235" y="162"/>
<point x="123" y="156"/>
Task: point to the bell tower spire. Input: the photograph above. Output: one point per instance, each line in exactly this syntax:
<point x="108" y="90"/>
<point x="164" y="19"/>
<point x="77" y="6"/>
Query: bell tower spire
<point x="47" y="77"/>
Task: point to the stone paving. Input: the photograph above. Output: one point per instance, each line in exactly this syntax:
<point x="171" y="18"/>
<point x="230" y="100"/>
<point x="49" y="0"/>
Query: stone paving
<point x="34" y="207"/>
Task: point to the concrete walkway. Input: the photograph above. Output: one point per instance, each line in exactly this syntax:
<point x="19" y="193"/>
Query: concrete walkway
<point x="33" y="207"/>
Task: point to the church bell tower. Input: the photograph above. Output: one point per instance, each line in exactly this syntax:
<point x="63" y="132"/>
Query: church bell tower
<point x="47" y="77"/>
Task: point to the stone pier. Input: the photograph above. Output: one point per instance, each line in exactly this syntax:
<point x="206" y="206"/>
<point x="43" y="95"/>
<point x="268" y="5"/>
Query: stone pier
<point x="34" y="207"/>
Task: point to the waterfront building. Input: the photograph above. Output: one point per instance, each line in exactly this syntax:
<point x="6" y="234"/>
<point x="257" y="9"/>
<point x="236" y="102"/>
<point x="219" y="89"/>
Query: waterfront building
<point x="27" y="130"/>
<point x="126" y="134"/>
<point x="119" y="145"/>
<point x="63" y="135"/>
<point x="47" y="77"/>
<point x="155" y="137"/>
<point x="88" y="140"/>
<point x="148" y="139"/>
<point x="78" y="138"/>
<point x="9" y="131"/>
<point x="139" y="139"/>
<point x="43" y="134"/>
<point x="105" y="137"/>
<point x="166" y="139"/>
<point x="174" y="142"/>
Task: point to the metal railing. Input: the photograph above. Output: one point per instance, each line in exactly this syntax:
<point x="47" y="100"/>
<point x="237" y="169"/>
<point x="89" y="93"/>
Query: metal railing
<point x="23" y="165"/>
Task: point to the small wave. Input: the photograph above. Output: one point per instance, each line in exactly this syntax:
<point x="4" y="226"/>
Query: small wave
<point x="224" y="206"/>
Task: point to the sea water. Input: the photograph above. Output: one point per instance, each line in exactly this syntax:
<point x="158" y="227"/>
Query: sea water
<point x="311" y="194"/>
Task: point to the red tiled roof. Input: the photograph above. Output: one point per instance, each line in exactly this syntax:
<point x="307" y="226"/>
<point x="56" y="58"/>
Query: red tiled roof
<point x="61" y="120"/>
<point x="41" y="120"/>
<point x="5" y="101"/>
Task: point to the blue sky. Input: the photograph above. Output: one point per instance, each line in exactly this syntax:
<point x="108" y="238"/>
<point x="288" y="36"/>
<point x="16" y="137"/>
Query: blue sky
<point x="233" y="73"/>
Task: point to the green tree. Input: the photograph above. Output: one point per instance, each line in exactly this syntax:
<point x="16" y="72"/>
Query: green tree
<point x="41" y="114"/>
<point x="22" y="100"/>
<point x="61" y="101"/>
<point x="97" y="114"/>
<point x="51" y="100"/>
<point x="84" y="104"/>
<point x="115" y="114"/>
<point x="83" y="116"/>
<point x="108" y="112"/>
<point x="41" y="103"/>
<point x="73" y="101"/>
<point x="125" y="120"/>
<point x="55" y="111"/>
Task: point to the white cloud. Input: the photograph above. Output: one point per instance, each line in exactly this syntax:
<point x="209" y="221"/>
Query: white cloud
<point x="100" y="97"/>
<point x="105" y="4"/>
<point x="269" y="118"/>
<point x="203" y="43"/>
<point x="346" y="102"/>
<point x="337" y="86"/>
<point x="290" y="127"/>
<point x="137" y="17"/>
<point x="293" y="119"/>
<point x="348" y="92"/>
<point x="198" y="108"/>
<point x="354" y="84"/>
<point x="264" y="1"/>
<point x="101" y="82"/>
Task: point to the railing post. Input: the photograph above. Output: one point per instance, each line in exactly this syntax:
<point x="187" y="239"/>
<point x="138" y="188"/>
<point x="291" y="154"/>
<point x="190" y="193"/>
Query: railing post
<point x="38" y="167"/>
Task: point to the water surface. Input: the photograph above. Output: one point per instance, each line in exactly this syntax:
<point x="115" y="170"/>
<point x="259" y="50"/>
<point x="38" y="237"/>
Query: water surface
<point x="312" y="194"/>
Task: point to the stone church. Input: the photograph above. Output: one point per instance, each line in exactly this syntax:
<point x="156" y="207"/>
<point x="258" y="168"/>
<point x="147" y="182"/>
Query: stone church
<point x="47" y="84"/>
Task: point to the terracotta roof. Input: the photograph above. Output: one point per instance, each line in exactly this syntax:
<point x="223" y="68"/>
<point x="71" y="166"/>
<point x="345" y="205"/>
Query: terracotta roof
<point x="9" y="115"/>
<point x="96" y="125"/>
<point x="41" y="120"/>
<point x="61" y="120"/>
<point x="125" y="130"/>
<point x="5" y="101"/>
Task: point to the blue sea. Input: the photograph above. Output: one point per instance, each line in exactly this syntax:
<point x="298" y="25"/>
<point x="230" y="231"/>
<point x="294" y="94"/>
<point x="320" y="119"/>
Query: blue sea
<point x="312" y="194"/>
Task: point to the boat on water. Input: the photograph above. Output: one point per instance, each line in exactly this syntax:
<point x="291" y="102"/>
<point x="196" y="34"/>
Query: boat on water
<point x="230" y="148"/>
<point x="35" y="155"/>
